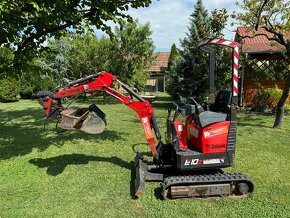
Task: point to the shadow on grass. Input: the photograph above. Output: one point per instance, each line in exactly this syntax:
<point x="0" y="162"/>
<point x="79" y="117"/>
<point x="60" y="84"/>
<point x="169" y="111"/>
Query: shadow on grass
<point x="21" y="131"/>
<point x="141" y="147"/>
<point x="56" y="165"/>
<point x="163" y="102"/>
<point x="158" y="193"/>
<point x="254" y="121"/>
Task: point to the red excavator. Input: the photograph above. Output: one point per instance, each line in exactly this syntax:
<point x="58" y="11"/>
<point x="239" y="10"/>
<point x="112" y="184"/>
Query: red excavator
<point x="189" y="163"/>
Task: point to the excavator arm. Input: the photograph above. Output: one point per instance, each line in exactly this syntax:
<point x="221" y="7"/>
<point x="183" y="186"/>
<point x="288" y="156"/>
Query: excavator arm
<point x="102" y="81"/>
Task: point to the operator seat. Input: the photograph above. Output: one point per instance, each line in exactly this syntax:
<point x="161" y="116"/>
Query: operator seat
<point x="222" y="102"/>
<point x="219" y="110"/>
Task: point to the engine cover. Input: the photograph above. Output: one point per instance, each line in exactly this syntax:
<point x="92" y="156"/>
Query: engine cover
<point x="209" y="139"/>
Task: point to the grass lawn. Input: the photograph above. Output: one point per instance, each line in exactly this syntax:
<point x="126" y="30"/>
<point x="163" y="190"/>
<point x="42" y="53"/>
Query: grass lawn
<point x="46" y="174"/>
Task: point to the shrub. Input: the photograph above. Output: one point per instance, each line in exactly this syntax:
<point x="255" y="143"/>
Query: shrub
<point x="266" y="98"/>
<point x="31" y="84"/>
<point x="9" y="89"/>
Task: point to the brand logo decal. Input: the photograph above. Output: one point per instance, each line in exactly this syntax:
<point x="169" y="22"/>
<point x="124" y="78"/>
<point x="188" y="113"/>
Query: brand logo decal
<point x="144" y="119"/>
<point x="215" y="132"/>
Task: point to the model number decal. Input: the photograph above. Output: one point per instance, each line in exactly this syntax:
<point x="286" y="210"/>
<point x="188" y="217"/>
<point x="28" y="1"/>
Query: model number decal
<point x="189" y="162"/>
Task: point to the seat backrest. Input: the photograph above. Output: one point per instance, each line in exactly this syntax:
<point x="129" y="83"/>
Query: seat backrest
<point x="222" y="101"/>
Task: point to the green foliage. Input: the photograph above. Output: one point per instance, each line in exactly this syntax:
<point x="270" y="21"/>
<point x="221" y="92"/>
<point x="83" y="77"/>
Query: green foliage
<point x="6" y="61"/>
<point x="266" y="98"/>
<point x="25" y="25"/>
<point x="127" y="54"/>
<point x="54" y="62"/>
<point x="9" y="89"/>
<point x="34" y="78"/>
<point x="31" y="83"/>
<point x="189" y="75"/>
<point x="218" y="21"/>
<point x="131" y="53"/>
<point x="173" y="55"/>
<point x="87" y="54"/>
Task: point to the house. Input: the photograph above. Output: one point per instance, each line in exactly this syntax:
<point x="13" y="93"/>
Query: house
<point x="264" y="63"/>
<point x="157" y="72"/>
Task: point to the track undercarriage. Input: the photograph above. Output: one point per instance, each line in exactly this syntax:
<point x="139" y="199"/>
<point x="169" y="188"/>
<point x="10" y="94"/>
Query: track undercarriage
<point x="193" y="184"/>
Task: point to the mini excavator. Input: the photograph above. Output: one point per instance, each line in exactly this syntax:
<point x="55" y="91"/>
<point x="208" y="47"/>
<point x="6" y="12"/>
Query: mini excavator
<point x="189" y="164"/>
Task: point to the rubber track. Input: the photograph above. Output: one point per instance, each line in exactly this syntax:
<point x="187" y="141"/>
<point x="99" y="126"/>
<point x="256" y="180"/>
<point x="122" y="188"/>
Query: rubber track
<point x="208" y="179"/>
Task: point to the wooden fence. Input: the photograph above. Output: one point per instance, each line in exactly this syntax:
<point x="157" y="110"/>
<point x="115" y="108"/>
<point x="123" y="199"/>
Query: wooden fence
<point x="251" y="87"/>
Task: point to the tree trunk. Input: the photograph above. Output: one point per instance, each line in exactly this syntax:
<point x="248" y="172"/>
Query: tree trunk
<point x="281" y="103"/>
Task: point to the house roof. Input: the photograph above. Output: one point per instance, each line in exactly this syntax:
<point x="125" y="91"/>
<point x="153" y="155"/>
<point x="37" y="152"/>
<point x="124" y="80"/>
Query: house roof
<point x="257" y="44"/>
<point x="160" y="63"/>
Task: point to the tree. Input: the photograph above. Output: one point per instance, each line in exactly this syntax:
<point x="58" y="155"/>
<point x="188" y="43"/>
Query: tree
<point x="6" y="61"/>
<point x="33" y="78"/>
<point x="132" y="53"/>
<point x="84" y="56"/>
<point x="189" y="75"/>
<point x="273" y="16"/>
<point x="127" y="54"/>
<point x="25" y="25"/>
<point x="76" y="55"/>
<point x="55" y="61"/>
<point x="173" y="55"/>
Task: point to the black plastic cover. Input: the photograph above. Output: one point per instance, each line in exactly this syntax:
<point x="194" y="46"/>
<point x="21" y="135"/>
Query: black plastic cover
<point x="209" y="117"/>
<point x="187" y="109"/>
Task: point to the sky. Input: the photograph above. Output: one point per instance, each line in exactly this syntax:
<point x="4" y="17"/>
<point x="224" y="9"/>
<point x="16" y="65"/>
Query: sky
<point x="169" y="19"/>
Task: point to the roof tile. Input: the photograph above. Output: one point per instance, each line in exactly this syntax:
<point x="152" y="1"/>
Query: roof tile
<point x="160" y="63"/>
<point x="257" y="44"/>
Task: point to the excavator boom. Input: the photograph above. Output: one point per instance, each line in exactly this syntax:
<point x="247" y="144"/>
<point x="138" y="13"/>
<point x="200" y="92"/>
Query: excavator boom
<point x="51" y="101"/>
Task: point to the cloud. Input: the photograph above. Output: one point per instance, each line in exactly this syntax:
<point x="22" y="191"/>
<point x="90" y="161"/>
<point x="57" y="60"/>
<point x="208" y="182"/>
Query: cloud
<point x="169" y="19"/>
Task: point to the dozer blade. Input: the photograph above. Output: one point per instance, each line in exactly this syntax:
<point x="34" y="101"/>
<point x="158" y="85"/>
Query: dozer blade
<point x="141" y="169"/>
<point x="144" y="173"/>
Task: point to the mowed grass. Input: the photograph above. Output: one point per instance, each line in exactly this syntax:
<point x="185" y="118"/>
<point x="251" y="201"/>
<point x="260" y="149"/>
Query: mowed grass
<point x="73" y="174"/>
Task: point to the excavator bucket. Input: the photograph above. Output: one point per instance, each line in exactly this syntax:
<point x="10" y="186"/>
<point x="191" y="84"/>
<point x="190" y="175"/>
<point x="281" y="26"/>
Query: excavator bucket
<point x="95" y="122"/>
<point x="72" y="117"/>
<point x="90" y="120"/>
